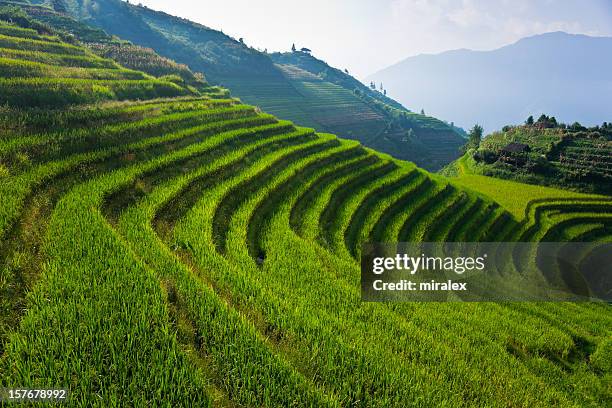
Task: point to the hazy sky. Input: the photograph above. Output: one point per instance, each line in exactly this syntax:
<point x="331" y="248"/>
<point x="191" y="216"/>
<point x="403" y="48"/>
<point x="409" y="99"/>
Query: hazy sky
<point x="367" y="35"/>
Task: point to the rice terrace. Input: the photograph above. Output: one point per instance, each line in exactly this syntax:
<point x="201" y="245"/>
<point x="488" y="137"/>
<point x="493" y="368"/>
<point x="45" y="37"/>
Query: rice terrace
<point x="163" y="243"/>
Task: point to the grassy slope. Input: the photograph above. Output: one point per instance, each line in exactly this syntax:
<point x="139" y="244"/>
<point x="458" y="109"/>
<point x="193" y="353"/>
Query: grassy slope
<point x="102" y="44"/>
<point x="512" y="195"/>
<point x="196" y="251"/>
<point x="387" y="125"/>
<point x="252" y="76"/>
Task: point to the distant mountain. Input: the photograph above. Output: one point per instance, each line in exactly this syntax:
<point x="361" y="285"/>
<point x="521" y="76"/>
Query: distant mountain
<point x="294" y="86"/>
<point x="566" y="75"/>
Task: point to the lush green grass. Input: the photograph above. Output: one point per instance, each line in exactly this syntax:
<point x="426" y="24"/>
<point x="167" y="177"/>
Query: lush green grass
<point x="16" y="31"/>
<point x="312" y="101"/>
<point x="193" y="251"/>
<point x="15" y="68"/>
<point x="68" y="91"/>
<point x="85" y="61"/>
<point x="44" y="71"/>
<point x="512" y="195"/>
<point x="145" y="60"/>
<point x="42" y="45"/>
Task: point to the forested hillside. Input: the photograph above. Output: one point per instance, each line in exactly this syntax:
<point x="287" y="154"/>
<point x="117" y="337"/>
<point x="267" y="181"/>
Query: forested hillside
<point x="164" y="244"/>
<point x="324" y="103"/>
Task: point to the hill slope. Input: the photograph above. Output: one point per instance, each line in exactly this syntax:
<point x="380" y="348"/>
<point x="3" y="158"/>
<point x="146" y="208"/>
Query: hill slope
<point x="567" y="76"/>
<point x="99" y="43"/>
<point x="340" y="101"/>
<point x="196" y="251"/>
<point x="327" y="105"/>
<point x="571" y="157"/>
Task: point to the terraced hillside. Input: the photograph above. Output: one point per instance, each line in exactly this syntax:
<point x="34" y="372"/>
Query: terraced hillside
<point x="329" y="105"/>
<point x="319" y="104"/>
<point x="573" y="157"/>
<point x="41" y="70"/>
<point x="195" y="251"/>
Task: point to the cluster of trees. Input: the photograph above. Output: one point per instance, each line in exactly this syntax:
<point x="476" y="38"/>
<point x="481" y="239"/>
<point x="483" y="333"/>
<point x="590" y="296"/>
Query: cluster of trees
<point x="474" y="137"/>
<point x="381" y="88"/>
<point x="576" y="129"/>
<point x="550" y="122"/>
<point x="543" y="121"/>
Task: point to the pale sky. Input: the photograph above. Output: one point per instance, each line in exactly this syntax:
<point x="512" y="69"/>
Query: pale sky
<point x="368" y="35"/>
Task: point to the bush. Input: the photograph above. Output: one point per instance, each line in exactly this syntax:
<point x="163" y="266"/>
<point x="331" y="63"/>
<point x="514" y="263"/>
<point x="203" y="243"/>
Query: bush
<point x="602" y="357"/>
<point x="485" y="155"/>
<point x="537" y="163"/>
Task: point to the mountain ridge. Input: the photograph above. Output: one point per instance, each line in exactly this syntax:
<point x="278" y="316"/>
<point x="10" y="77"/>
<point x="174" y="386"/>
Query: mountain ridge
<point x="548" y="34"/>
<point x="523" y="40"/>
<point x="550" y="73"/>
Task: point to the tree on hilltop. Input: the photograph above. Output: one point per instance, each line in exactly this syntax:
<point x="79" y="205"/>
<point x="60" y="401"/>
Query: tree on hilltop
<point x="546" y="122"/>
<point x="529" y="121"/>
<point x="475" y="136"/>
<point x="577" y="126"/>
<point x="542" y="119"/>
